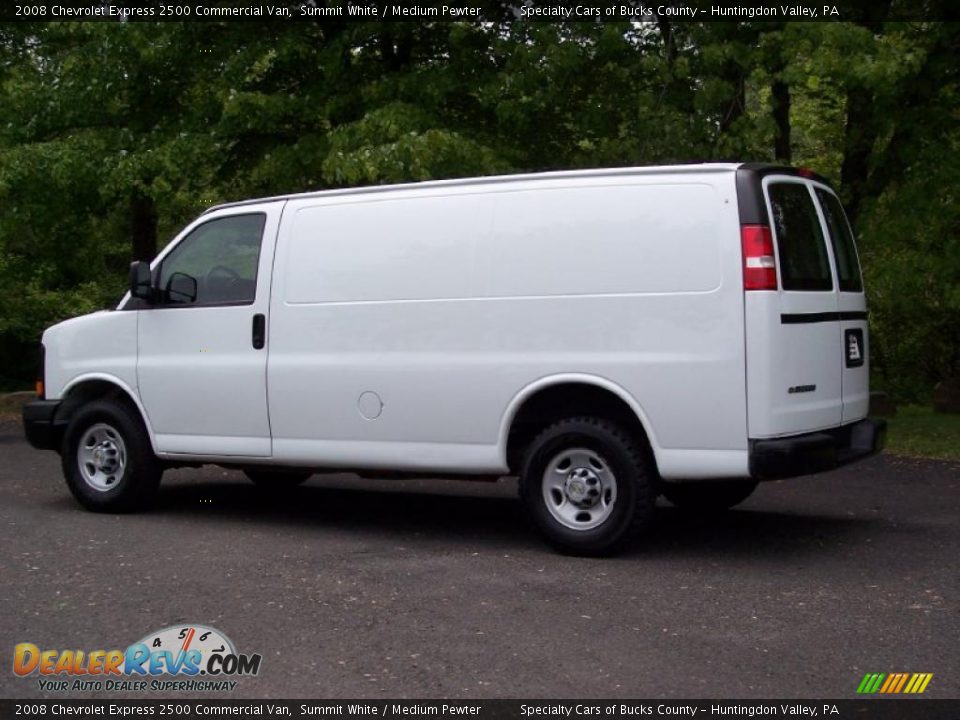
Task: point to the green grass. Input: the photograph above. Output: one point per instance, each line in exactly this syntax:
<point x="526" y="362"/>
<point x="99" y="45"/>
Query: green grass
<point x="9" y="408"/>
<point x="920" y="432"/>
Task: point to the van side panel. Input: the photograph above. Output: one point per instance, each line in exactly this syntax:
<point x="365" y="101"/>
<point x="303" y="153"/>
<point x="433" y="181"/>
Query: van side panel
<point x="404" y="324"/>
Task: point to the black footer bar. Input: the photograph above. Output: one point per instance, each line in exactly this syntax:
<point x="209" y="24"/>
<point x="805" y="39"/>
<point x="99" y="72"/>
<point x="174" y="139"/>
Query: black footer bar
<point x="860" y="709"/>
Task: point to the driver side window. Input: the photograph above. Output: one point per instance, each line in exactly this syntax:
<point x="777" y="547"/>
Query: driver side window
<point x="216" y="264"/>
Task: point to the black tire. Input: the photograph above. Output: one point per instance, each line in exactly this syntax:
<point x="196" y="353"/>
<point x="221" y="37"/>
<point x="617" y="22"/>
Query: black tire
<point x="708" y="496"/>
<point x="624" y="455"/>
<point x="127" y="491"/>
<point x="268" y="479"/>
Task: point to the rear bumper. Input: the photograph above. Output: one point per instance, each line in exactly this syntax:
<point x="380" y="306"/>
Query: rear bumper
<point x="810" y="453"/>
<point x="38" y="424"/>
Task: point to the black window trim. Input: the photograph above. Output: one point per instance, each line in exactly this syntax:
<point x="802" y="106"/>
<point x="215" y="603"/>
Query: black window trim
<point x="155" y="272"/>
<point x="818" y="187"/>
<point x="777" y="178"/>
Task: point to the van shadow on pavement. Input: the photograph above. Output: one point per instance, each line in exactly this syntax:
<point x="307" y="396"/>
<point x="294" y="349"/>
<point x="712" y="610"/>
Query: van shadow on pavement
<point x="492" y="514"/>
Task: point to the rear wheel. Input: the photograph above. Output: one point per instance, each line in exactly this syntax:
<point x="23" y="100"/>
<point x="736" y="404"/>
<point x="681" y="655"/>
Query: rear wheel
<point x="710" y="495"/>
<point x="587" y="485"/>
<point x="107" y="460"/>
<point x="277" y="479"/>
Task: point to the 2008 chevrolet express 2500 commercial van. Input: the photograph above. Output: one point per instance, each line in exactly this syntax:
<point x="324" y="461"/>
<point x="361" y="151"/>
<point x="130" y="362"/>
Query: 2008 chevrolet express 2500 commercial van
<point x="606" y="335"/>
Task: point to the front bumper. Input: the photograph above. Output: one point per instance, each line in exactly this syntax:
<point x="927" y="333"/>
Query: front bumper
<point x="815" y="452"/>
<point x="39" y="426"/>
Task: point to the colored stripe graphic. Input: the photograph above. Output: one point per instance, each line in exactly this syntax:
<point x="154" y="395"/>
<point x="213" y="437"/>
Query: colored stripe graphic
<point x="894" y="683"/>
<point x="903" y="680"/>
<point x="870" y="683"/>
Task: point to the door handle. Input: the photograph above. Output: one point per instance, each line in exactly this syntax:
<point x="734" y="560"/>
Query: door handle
<point x="259" y="331"/>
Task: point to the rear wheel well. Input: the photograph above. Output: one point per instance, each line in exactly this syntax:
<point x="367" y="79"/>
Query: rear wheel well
<point x="565" y="400"/>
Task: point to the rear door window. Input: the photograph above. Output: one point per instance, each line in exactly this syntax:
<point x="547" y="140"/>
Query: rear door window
<point x="841" y="237"/>
<point x="802" y="250"/>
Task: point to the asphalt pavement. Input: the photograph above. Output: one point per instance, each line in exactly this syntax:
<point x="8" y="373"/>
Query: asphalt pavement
<point x="441" y="589"/>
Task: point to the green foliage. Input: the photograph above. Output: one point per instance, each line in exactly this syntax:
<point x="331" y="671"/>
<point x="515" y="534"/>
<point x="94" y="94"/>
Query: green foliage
<point x="99" y="119"/>
<point x="912" y="266"/>
<point x="398" y="143"/>
<point x="921" y="432"/>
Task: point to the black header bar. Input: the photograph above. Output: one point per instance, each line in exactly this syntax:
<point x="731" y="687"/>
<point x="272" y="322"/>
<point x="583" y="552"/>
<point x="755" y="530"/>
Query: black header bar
<point x="497" y="11"/>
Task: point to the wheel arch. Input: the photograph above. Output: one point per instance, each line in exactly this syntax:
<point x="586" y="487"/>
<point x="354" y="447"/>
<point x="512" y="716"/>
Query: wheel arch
<point x="544" y="394"/>
<point x="99" y="386"/>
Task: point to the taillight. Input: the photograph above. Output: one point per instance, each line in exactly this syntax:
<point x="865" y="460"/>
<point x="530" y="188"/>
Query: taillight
<point x="759" y="264"/>
<point x="41" y="376"/>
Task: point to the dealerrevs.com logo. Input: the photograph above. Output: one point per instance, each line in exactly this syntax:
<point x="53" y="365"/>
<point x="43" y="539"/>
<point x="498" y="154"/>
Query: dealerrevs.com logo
<point x="186" y="657"/>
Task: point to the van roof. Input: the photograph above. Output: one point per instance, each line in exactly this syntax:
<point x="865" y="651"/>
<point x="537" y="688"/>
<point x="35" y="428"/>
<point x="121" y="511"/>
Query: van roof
<point x="691" y="168"/>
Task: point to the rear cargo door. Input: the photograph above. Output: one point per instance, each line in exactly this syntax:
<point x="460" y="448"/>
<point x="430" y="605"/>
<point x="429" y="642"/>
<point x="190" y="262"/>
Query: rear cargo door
<point x="794" y="373"/>
<point x="851" y="329"/>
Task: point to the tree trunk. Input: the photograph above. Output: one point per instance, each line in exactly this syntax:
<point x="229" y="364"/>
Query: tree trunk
<point x="143" y="226"/>
<point x="781" y="119"/>
<point x="669" y="42"/>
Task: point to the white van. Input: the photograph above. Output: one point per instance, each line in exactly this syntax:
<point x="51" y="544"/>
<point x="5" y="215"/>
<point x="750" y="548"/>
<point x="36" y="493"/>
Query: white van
<point x="605" y="335"/>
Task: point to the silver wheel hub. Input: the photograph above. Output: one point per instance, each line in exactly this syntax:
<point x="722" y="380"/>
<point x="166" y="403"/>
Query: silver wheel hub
<point x="579" y="488"/>
<point x="101" y="456"/>
<point x="582" y="487"/>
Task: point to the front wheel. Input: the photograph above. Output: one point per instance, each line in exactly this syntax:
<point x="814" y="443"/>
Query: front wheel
<point x="107" y="460"/>
<point x="708" y="496"/>
<point x="588" y="485"/>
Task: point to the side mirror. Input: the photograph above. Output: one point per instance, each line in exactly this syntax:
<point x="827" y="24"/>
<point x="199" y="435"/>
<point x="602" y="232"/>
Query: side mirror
<point x="141" y="285"/>
<point x="181" y="289"/>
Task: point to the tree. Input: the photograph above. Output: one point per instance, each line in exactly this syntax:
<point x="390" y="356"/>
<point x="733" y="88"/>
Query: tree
<point x="112" y="135"/>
